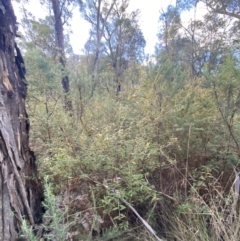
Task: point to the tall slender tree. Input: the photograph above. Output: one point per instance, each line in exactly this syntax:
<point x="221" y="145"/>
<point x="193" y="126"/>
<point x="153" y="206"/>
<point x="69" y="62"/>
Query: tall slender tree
<point x="19" y="196"/>
<point x="124" y="40"/>
<point x="97" y="12"/>
<point x="115" y="33"/>
<point x="201" y="42"/>
<point x="61" y="14"/>
<point x="60" y="40"/>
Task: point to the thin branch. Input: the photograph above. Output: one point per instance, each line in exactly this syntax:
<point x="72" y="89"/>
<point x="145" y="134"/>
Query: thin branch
<point x="147" y="226"/>
<point x="144" y="222"/>
<point x="224" y="11"/>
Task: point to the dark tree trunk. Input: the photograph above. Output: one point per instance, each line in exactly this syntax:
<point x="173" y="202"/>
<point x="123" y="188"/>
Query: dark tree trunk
<point x="99" y="36"/>
<point x="95" y="65"/>
<point x="57" y="10"/>
<point x="60" y="40"/>
<point x="19" y="195"/>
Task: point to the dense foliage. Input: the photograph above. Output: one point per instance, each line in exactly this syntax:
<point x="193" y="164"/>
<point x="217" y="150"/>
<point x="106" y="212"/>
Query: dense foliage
<point x="167" y="142"/>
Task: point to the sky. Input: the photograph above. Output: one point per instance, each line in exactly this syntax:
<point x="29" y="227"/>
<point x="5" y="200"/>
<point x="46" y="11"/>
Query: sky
<point x="149" y="16"/>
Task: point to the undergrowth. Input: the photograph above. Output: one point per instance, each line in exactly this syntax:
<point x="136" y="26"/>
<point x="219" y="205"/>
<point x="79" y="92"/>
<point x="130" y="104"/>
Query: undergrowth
<point x="168" y="149"/>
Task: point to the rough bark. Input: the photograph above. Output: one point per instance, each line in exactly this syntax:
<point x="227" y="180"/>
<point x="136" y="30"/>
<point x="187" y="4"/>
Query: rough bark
<point x="60" y="40"/>
<point x="57" y="10"/>
<point x="19" y="195"/>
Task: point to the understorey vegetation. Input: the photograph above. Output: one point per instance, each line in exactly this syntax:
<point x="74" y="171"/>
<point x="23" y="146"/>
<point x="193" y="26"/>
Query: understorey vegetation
<point x="134" y="147"/>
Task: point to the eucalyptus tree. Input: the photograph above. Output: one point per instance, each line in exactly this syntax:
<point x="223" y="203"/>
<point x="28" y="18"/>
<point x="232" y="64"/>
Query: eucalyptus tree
<point x="225" y="7"/>
<point x="60" y="11"/>
<point x="20" y="195"/>
<point x="115" y="33"/>
<point x="96" y="12"/>
<point x="200" y="42"/>
<point x="58" y="6"/>
<point x="172" y="49"/>
<point x="124" y="40"/>
<point x="38" y="35"/>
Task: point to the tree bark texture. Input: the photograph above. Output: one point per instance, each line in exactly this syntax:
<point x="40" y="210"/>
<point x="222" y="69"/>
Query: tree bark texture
<point x="57" y="10"/>
<point x="19" y="193"/>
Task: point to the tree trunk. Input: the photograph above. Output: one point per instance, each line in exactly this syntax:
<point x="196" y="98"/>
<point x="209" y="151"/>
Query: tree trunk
<point x="57" y="10"/>
<point x="19" y="193"/>
<point x="95" y="63"/>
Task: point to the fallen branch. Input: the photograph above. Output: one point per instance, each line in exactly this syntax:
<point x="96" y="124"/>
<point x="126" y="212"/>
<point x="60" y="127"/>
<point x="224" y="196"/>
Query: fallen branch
<point x="148" y="227"/>
<point x="144" y="222"/>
